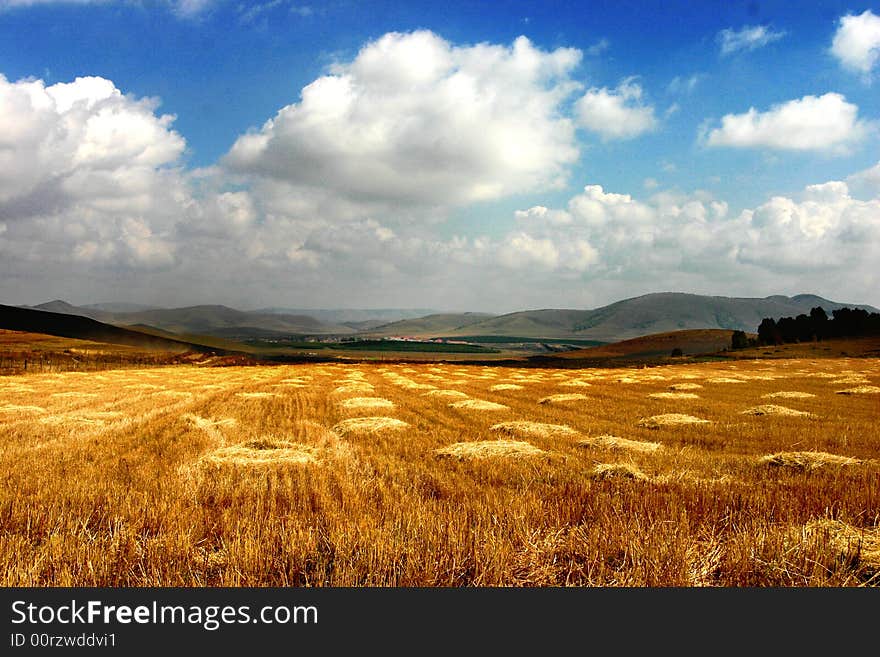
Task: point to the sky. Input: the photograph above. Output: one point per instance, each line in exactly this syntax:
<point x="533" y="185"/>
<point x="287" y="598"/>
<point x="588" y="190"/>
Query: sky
<point x="483" y="156"/>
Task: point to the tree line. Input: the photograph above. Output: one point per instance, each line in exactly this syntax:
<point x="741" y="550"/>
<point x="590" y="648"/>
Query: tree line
<point x="817" y="326"/>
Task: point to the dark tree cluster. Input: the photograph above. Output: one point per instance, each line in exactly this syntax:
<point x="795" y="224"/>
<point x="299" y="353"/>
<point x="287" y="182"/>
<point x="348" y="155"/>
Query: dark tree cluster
<point x="845" y="323"/>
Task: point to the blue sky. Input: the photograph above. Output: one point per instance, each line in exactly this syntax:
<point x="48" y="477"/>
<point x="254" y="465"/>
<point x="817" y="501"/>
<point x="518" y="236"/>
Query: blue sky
<point x="635" y="106"/>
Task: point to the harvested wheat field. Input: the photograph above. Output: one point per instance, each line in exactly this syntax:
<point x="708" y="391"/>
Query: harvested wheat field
<point x="435" y="474"/>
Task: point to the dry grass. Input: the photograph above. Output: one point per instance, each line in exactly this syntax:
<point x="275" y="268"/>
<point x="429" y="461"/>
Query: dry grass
<point x="670" y="420"/>
<point x="360" y="425"/>
<point x="610" y="442"/>
<point x="860" y="390"/>
<point x="479" y="405"/>
<point x="21" y="408"/>
<point x="773" y="409"/>
<point x="489" y="449"/>
<point x="526" y="429"/>
<point x="788" y="394"/>
<point x="562" y="398"/>
<point x="807" y="460"/>
<point x="673" y="395"/>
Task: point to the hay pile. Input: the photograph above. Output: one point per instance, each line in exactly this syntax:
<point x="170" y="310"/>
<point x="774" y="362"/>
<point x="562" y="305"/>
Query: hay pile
<point x="860" y="390"/>
<point x="685" y="386"/>
<point x="362" y="425"/>
<point x="673" y="395"/>
<point x="256" y="395"/>
<point x="788" y="394"/>
<point x="622" y="444"/>
<point x="575" y="383"/>
<point x="479" y="405"/>
<point x="74" y="395"/>
<point x="669" y="419"/>
<point x="851" y="380"/>
<point x="723" y="379"/>
<point x="485" y="449"/>
<point x="458" y="394"/>
<point x="565" y="397"/>
<point x="356" y="387"/>
<point x="366" y="403"/>
<point x="505" y="386"/>
<point x="773" y="409"/>
<point x="263" y="452"/>
<point x="525" y="429"/>
<point x="854" y="544"/>
<point x="806" y="461"/>
<point x="606" y="471"/>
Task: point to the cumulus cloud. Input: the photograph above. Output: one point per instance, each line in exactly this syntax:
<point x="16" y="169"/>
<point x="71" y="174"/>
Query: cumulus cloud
<point x="88" y="171"/>
<point x="692" y="242"/>
<point x="749" y="37"/>
<point x="856" y="43"/>
<point x="867" y="181"/>
<point x="415" y="119"/>
<point x="616" y="113"/>
<point x="812" y="123"/>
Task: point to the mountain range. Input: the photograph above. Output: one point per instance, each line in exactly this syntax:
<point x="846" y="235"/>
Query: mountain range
<point x="629" y="318"/>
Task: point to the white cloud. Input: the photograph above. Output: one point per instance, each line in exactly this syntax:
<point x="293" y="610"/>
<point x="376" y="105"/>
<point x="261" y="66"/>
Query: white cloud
<point x="867" y="180"/>
<point x="10" y="4"/>
<point x="616" y="113"/>
<point x="598" y="48"/>
<point x="856" y="43"/>
<point x="415" y="119"/>
<point x="191" y="8"/>
<point x="685" y="85"/>
<point x="182" y="8"/>
<point x="819" y="123"/>
<point x="749" y="37"/>
<point x="88" y="172"/>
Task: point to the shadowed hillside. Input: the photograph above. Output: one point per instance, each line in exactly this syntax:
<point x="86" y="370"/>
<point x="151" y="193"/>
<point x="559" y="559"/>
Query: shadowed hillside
<point x="85" y="328"/>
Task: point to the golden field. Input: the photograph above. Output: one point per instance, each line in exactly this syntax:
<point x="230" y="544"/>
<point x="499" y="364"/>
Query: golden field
<point x="747" y="473"/>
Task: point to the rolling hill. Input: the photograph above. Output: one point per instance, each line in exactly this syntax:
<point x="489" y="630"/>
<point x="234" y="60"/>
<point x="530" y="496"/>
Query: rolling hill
<point x="430" y="325"/>
<point x="215" y="320"/>
<point x="648" y="314"/>
<point x="85" y="328"/>
<point x="690" y="341"/>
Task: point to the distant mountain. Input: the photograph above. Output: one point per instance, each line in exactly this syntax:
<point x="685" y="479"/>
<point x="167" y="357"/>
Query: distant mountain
<point x="119" y="307"/>
<point x="431" y="325"/>
<point x="630" y="318"/>
<point x="85" y="328"/>
<point x="353" y="316"/>
<point x="207" y="320"/>
<point x="651" y="313"/>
